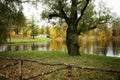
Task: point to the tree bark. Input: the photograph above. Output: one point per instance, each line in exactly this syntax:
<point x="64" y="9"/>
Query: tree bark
<point x="72" y="42"/>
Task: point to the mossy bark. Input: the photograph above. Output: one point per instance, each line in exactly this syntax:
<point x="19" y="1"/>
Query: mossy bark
<point x="72" y="42"/>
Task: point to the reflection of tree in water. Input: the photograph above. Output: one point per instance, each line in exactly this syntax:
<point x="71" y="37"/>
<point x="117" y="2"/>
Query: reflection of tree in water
<point x="97" y="47"/>
<point x="33" y="47"/>
<point x="24" y="47"/>
<point x="86" y="46"/>
<point x="58" y="45"/>
<point x="48" y="46"/>
<point x="44" y="46"/>
<point x="101" y="47"/>
<point x="89" y="46"/>
<point x="17" y="48"/>
<point x="116" y="47"/>
<point x="8" y="48"/>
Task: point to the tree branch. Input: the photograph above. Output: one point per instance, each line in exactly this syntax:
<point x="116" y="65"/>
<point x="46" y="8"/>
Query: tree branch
<point x="94" y="27"/>
<point x="79" y="2"/>
<point x="62" y="12"/>
<point x="91" y="28"/>
<point x="73" y="14"/>
<point x="102" y="21"/>
<point x="53" y="15"/>
<point x="26" y="1"/>
<point x="82" y="11"/>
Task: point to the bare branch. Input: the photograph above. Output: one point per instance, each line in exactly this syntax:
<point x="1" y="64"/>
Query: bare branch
<point x="82" y="11"/>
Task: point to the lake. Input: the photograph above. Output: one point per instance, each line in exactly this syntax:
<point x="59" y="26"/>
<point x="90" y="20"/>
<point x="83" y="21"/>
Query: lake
<point x="107" y="48"/>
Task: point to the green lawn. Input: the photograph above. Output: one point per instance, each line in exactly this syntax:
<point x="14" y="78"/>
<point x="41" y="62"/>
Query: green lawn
<point x="83" y="60"/>
<point x="29" y="40"/>
<point x="63" y="57"/>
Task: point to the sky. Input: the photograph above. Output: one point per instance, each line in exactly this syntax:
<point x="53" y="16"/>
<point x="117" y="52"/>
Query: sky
<point x="31" y="11"/>
<point x="114" y="5"/>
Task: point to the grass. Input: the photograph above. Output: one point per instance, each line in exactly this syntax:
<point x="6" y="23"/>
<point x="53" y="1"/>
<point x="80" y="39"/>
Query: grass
<point x="83" y="60"/>
<point x="28" y="40"/>
<point x="63" y="57"/>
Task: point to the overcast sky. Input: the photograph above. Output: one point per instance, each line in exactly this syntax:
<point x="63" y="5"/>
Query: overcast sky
<point x="30" y="11"/>
<point x="114" y="5"/>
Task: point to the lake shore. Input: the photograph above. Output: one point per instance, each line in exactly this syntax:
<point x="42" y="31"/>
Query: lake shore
<point x="42" y="39"/>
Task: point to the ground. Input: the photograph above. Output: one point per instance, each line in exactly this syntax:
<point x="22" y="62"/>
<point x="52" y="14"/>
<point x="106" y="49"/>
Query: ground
<point x="31" y="69"/>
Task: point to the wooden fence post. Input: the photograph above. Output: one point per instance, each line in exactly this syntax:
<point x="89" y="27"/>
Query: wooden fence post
<point x="20" y="69"/>
<point x="69" y="74"/>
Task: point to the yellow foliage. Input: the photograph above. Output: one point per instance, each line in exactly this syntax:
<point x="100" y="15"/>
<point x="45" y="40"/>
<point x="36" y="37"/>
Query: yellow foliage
<point x="58" y="31"/>
<point x="12" y="33"/>
<point x="52" y="33"/>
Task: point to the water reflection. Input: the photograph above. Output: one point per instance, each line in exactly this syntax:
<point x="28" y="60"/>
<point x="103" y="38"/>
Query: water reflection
<point x="116" y="47"/>
<point x="101" y="47"/>
<point x="107" y="48"/>
<point x="58" y="45"/>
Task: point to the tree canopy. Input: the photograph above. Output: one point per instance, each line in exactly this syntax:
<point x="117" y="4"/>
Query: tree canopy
<point x="10" y="14"/>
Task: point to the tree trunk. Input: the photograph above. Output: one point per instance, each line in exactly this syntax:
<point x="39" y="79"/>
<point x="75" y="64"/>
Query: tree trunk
<point x="33" y="37"/>
<point x="72" y="42"/>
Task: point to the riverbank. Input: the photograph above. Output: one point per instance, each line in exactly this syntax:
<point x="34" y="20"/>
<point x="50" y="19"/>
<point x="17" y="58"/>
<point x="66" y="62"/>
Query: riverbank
<point x="42" y="39"/>
<point x="63" y="57"/>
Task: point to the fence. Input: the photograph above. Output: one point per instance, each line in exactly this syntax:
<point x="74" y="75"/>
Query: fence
<point x="67" y="67"/>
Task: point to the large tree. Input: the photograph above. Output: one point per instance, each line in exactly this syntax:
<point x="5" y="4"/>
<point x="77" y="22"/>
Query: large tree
<point x="73" y="11"/>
